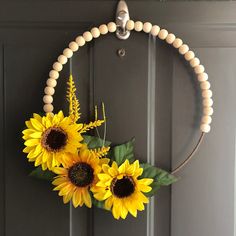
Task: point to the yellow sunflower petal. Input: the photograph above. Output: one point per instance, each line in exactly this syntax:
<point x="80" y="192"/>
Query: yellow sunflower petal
<point x="100" y="195"/>
<point x="32" y="154"/>
<point x="116" y="209"/>
<point x="138" y="172"/>
<point x="145" y="181"/>
<point x="37" y="117"/>
<point x="104" y="161"/>
<point x="123" y="211"/>
<point x="142" y="197"/>
<point x="113" y="172"/>
<point x="27" y="149"/>
<point x="108" y="203"/>
<point x="140" y="206"/>
<point x="29" y="125"/>
<point x="87" y="198"/>
<point x="31" y="142"/>
<point x="60" y="170"/>
<point x="60" y="186"/>
<point x="114" y="166"/>
<point x="105" y="168"/>
<point x="104" y="177"/>
<point x="38" y="160"/>
<point x="36" y="124"/>
<point x="36" y="135"/>
<point x="38" y="149"/>
<point x="144" y="188"/>
<point x="131" y="208"/>
<point x="102" y="184"/>
<point x="44" y="166"/>
<point x="76" y="199"/>
<point x="45" y="156"/>
<point x="28" y="131"/>
<point x="59" y="180"/>
<point x="123" y="167"/>
<point x="65" y="190"/>
<point x="67" y="197"/>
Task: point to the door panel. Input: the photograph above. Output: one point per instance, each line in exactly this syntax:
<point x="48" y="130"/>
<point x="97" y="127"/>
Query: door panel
<point x="125" y="82"/>
<point x="208" y="181"/>
<point x="150" y="93"/>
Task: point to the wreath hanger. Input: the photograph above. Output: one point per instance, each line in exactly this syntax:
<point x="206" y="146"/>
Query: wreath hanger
<point x="87" y="169"/>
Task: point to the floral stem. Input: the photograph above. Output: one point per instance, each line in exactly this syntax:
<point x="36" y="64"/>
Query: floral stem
<point x="96" y="118"/>
<point x="105" y="123"/>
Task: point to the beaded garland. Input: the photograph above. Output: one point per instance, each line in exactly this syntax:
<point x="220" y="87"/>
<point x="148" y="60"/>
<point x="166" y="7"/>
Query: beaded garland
<point x="138" y="26"/>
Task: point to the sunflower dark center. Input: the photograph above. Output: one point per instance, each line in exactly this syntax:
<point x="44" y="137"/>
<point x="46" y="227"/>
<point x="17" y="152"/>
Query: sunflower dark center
<point x="81" y="174"/>
<point x="54" y="139"/>
<point x="123" y="187"/>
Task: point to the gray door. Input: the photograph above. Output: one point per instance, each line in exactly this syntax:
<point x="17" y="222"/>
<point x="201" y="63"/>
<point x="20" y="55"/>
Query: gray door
<point x="150" y="94"/>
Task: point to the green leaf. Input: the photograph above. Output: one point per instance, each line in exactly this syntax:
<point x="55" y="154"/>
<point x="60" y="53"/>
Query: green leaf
<point x="42" y="174"/>
<point x="98" y="204"/>
<point x="94" y="142"/>
<point x="122" y="152"/>
<point x="160" y="177"/>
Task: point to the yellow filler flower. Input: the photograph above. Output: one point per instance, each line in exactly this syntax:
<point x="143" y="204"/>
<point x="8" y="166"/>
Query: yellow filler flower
<point x="78" y="175"/>
<point x="121" y="189"/>
<point x="50" y="138"/>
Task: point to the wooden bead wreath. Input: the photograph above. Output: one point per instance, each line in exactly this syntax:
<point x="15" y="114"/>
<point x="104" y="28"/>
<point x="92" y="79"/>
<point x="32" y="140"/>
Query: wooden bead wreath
<point x="77" y="164"/>
<point x="156" y="31"/>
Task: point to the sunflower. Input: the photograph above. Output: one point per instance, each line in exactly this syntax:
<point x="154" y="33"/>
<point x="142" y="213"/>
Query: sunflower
<point x="50" y="138"/>
<point x="121" y="189"/>
<point x="78" y="175"/>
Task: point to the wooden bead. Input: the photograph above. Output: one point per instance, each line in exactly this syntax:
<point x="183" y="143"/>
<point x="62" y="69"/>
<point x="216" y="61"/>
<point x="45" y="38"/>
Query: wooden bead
<point x="183" y="49"/>
<point x="202" y="77"/>
<point x="207" y="93"/>
<point x="54" y="74"/>
<point x="207" y="102"/>
<point x="57" y="66"/>
<point x="73" y="46"/>
<point x="155" y="30"/>
<point x="205" y="128"/>
<point x="147" y="27"/>
<point x="103" y="29"/>
<point x="177" y="43"/>
<point x="87" y="36"/>
<point x="51" y="82"/>
<point x="208" y="111"/>
<point x="111" y="27"/>
<point x="206" y="120"/>
<point x="205" y="85"/>
<point x="48" y="108"/>
<point x="95" y="32"/>
<point x="68" y="53"/>
<point x="170" y="38"/>
<point x="47" y="99"/>
<point x="194" y="62"/>
<point x="138" y="26"/>
<point x="189" y="55"/>
<point x="49" y="90"/>
<point x="130" y="25"/>
<point x="163" y="34"/>
<point x="199" y="69"/>
<point x="62" y="59"/>
<point x="80" y="41"/>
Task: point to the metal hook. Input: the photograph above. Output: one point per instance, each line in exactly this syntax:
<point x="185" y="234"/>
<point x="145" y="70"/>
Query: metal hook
<point x="122" y="16"/>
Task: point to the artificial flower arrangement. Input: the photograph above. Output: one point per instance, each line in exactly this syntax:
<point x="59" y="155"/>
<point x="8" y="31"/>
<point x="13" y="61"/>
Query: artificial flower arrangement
<point x="86" y="169"/>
